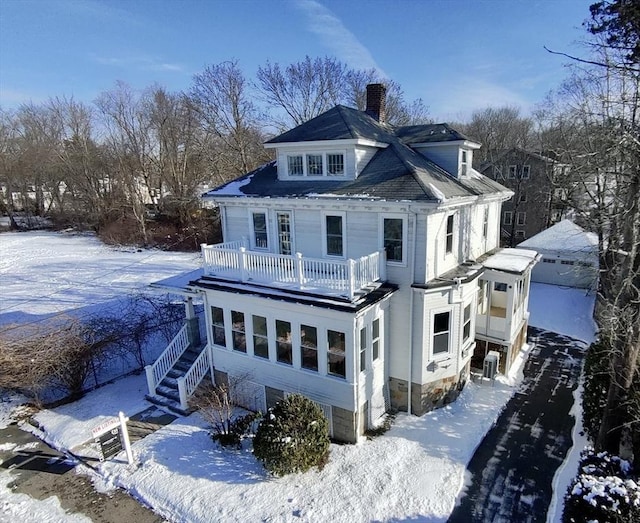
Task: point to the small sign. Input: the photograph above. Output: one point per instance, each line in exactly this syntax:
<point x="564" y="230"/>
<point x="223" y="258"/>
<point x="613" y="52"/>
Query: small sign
<point x="109" y="443"/>
<point x="105" y="426"/>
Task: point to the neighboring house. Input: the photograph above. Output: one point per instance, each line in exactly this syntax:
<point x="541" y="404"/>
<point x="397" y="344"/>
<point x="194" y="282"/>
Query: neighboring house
<point x="569" y="256"/>
<point x="29" y="197"/>
<point x="358" y="270"/>
<point x="541" y="192"/>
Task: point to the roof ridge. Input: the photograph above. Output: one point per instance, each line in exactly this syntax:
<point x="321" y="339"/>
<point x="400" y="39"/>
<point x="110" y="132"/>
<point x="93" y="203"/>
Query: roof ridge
<point x="340" y="108"/>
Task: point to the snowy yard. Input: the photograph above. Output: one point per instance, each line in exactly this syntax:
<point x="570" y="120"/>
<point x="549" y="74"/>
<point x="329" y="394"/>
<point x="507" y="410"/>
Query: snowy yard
<point x="414" y="471"/>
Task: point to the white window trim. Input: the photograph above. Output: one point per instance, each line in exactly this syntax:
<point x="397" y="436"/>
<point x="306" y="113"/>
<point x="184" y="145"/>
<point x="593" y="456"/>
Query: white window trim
<point x="405" y="229"/>
<point x="252" y="238"/>
<point x="464" y="161"/>
<point x="276" y="230"/>
<point x="325" y="165"/>
<point x="512" y="175"/>
<point x="343" y="215"/>
<point x="442" y="355"/>
<point x="526" y="169"/>
<point x="509" y="215"/>
<point x="522" y="222"/>
<point x="472" y="326"/>
<point x="453" y="235"/>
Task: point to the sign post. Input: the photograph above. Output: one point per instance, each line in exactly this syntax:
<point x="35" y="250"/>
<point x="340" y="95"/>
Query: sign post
<point x="112" y="436"/>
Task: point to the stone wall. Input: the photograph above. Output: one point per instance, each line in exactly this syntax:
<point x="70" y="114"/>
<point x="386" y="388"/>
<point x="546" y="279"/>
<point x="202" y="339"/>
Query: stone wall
<point x="344" y="425"/>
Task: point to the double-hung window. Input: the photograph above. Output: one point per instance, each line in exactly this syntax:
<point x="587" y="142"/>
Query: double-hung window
<point x="294" y="165"/>
<point x="449" y="235"/>
<point x="375" y="339"/>
<point x="334" y="237"/>
<point x="441" y="333"/>
<point x="309" y="347"/>
<point x="314" y="165"/>
<point x="336" y="353"/>
<point x="512" y="171"/>
<point x="335" y="164"/>
<point x="522" y="218"/>
<point x="485" y="223"/>
<point x="217" y="322"/>
<point x="260" y="337"/>
<point x="526" y="171"/>
<point x="508" y="217"/>
<point x="393" y="232"/>
<point x="283" y="342"/>
<point x="285" y="239"/>
<point x="238" y="330"/>
<point x="363" y="349"/>
<point x="466" y="327"/>
<point x="260" y="235"/>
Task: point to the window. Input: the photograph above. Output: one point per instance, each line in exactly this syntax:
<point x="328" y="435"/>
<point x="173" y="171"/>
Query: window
<point x="520" y="234"/>
<point x="508" y="217"/>
<point x="512" y="171"/>
<point x="449" y="236"/>
<point x="260" y="338"/>
<point x="314" y="165"/>
<point x="260" y="238"/>
<point x="566" y="262"/>
<point x="284" y="233"/>
<point x="392" y="232"/>
<point x="283" y="342"/>
<point x="522" y="197"/>
<point x="375" y="341"/>
<point x="363" y="349"/>
<point x="521" y="218"/>
<point x="500" y="287"/>
<point x="217" y="321"/>
<point x="485" y="223"/>
<point x="526" y="171"/>
<point x="336" y="353"/>
<point x="463" y="162"/>
<point x="334" y="243"/>
<point x="294" y="164"/>
<point x="548" y="260"/>
<point x="238" y="330"/>
<point x="466" y="328"/>
<point x="335" y="164"/>
<point x="482" y="297"/>
<point x="309" y="347"/>
<point x="441" y="333"/>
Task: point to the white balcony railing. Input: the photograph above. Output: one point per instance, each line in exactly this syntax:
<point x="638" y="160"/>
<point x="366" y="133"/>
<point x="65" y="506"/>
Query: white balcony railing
<point x="339" y="278"/>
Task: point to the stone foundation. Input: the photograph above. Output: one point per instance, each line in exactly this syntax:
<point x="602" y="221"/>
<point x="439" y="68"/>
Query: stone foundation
<point x="344" y="425"/>
<point x="429" y="396"/>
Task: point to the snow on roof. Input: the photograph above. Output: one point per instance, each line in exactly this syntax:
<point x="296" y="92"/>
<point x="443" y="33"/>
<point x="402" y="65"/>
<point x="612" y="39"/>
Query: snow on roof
<point x="511" y="260"/>
<point x="565" y="236"/>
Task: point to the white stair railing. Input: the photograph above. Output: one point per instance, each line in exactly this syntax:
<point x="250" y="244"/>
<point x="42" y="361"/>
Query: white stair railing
<point x="161" y="367"/>
<point x="188" y="383"/>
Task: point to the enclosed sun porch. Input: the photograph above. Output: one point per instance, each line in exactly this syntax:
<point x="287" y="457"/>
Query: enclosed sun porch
<point x="335" y="278"/>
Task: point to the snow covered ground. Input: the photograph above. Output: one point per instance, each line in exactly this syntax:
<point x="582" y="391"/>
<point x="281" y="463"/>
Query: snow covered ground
<point x="415" y="471"/>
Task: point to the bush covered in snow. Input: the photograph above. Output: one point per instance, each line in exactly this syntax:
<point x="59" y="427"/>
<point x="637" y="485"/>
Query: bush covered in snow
<point x="292" y="437"/>
<point x="605" y="490"/>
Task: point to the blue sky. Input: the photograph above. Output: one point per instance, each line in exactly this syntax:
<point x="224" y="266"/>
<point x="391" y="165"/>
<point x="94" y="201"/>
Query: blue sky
<point x="457" y="55"/>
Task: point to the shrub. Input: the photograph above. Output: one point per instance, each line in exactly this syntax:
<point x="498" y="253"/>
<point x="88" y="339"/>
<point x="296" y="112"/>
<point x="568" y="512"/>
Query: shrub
<point x="596" y="385"/>
<point x="292" y="437"/>
<point x="604" y="490"/>
<point x="217" y="408"/>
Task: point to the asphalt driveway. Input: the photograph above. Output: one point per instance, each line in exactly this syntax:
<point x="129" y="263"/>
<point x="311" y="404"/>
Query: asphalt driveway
<point x="512" y="470"/>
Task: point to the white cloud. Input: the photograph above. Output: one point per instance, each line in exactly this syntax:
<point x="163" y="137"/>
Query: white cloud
<point x="146" y="63"/>
<point x="336" y="36"/>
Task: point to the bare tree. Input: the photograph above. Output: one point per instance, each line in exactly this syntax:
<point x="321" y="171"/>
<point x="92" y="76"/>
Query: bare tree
<point x="230" y="119"/>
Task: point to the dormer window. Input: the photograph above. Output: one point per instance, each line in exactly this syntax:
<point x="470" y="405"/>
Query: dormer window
<point x="294" y="165"/>
<point x="463" y="162"/>
<point x="316" y="164"/>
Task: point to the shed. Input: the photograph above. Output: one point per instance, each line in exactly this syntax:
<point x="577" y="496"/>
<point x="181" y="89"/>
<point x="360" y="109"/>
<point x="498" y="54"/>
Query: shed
<point x="569" y="256"/>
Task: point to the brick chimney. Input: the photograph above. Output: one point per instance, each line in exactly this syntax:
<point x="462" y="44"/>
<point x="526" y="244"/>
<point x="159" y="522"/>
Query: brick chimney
<point x="376" y="101"/>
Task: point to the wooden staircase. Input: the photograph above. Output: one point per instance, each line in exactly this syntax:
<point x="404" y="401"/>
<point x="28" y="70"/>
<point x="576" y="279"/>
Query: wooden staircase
<point x="167" y="395"/>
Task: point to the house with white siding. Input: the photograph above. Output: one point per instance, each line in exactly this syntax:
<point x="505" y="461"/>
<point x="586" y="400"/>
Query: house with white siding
<point x="360" y="268"/>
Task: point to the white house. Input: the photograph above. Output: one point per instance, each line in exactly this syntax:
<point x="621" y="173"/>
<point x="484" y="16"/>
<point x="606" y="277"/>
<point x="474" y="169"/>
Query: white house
<point x="569" y="256"/>
<point x="357" y="269"/>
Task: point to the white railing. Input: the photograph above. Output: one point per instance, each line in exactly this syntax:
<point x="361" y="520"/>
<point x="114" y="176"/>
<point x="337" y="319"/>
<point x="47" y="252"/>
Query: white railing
<point x="175" y="349"/>
<point x="188" y="383"/>
<point x="343" y="278"/>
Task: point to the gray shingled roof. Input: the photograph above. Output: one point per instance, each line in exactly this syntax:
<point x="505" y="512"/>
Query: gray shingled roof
<point x="395" y="173"/>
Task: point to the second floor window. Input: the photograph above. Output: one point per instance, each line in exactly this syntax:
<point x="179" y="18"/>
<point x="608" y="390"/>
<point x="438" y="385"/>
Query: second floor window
<point x="283" y="342"/>
<point x="294" y="164"/>
<point x="334" y="243"/>
<point x="393" y="239"/>
<point x="466" y="328"/>
<point x="335" y="164"/>
<point x="526" y="171"/>
<point x="522" y="218"/>
<point x="508" y="217"/>
<point x="260" y="238"/>
<point x="512" y="171"/>
<point x="375" y="339"/>
<point x="449" y="236"/>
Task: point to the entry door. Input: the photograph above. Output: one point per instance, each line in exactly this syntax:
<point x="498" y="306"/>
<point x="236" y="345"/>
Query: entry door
<point x="285" y="233"/>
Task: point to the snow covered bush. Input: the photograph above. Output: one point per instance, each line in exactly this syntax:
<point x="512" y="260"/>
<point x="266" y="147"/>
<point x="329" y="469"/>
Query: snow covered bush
<point x="605" y="490"/>
<point x="292" y="437"/>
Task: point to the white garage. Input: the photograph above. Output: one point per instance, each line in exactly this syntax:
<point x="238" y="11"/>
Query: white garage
<point x="569" y="256"/>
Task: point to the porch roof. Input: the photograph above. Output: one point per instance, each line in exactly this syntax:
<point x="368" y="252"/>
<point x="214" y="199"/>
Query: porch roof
<point x="515" y="261"/>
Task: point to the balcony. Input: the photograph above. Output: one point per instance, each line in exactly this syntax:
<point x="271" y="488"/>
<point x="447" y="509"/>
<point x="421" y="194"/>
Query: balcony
<point x="337" y="278"/>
